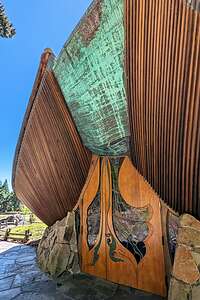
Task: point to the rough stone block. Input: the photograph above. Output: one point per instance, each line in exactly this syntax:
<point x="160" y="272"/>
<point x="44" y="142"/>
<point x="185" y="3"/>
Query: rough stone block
<point x="196" y="292"/>
<point x="178" y="290"/>
<point x="190" y="221"/>
<point x="57" y="250"/>
<point x="185" y="284"/>
<point x="185" y="268"/>
<point x="189" y="236"/>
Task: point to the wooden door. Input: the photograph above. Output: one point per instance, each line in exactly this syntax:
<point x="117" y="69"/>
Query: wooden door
<point x="121" y="227"/>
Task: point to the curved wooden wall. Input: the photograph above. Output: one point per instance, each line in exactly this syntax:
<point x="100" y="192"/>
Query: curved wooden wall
<point x="51" y="164"/>
<point x="46" y="58"/>
<point x="163" y="87"/>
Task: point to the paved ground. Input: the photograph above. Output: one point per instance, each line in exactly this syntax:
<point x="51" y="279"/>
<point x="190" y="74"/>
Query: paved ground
<point x="21" y="279"/>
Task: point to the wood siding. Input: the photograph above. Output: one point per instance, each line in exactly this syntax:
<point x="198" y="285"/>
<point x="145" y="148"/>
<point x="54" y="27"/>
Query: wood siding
<point x="51" y="164"/>
<point x="163" y="87"/>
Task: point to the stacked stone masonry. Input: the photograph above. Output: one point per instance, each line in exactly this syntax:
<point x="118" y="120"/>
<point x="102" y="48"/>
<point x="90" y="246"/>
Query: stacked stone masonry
<point x="185" y="281"/>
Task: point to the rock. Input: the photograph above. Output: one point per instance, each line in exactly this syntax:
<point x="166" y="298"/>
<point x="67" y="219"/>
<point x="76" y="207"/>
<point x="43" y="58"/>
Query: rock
<point x="58" y="259"/>
<point x="178" y="290"/>
<point x="26" y="258"/>
<point x="33" y="243"/>
<point x="196" y="292"/>
<point x="75" y="268"/>
<point x="188" y="220"/>
<point x="57" y="251"/>
<point x="196" y="257"/>
<point x="30" y="277"/>
<point x="185" y="268"/>
<point x="6" y="283"/>
<point x="189" y="236"/>
<point x="185" y="283"/>
<point x="10" y="294"/>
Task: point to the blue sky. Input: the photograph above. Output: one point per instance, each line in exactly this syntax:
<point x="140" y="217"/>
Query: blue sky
<point x="39" y="24"/>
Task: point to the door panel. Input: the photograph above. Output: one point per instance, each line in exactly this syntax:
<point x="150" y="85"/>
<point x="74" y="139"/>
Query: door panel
<point x="121" y="217"/>
<point x="137" y="192"/>
<point x="121" y="266"/>
<point x="93" y="256"/>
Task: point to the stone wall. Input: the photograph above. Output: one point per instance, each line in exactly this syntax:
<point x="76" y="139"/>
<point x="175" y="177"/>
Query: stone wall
<point x="185" y="281"/>
<point x="57" y="251"/>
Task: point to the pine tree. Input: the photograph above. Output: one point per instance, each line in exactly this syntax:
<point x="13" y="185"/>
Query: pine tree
<point x="6" y="28"/>
<point x="8" y="200"/>
<point x="4" y="195"/>
<point x="5" y="186"/>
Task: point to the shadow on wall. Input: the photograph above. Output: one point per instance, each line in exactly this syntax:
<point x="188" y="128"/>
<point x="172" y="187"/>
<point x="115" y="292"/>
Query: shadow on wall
<point x="195" y="4"/>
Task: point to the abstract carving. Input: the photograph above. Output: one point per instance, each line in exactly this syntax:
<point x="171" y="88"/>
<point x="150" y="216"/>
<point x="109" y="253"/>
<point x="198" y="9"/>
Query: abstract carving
<point x="77" y="224"/>
<point x="130" y="224"/>
<point x="121" y="226"/>
<point x="172" y="233"/>
<point x="96" y="250"/>
<point x="93" y="221"/>
<point x="112" y="247"/>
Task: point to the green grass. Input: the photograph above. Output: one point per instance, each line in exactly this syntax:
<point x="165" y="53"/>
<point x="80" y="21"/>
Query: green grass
<point x="36" y="229"/>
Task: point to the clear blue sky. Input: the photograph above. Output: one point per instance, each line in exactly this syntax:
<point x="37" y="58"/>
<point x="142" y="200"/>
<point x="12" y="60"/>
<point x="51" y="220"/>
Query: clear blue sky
<point x="39" y="24"/>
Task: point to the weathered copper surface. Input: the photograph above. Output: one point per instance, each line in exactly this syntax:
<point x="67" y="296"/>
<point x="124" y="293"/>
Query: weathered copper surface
<point x="90" y="72"/>
<point x="91" y="22"/>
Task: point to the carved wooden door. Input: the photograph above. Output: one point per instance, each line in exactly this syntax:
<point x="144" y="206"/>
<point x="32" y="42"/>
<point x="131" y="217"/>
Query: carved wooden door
<point x="121" y="238"/>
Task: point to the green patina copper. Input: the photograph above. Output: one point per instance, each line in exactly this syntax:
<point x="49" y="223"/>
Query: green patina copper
<point x="90" y="71"/>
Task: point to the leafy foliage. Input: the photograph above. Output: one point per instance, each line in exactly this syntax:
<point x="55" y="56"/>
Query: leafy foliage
<point x="6" y="28"/>
<point x="8" y="200"/>
<point x="25" y="210"/>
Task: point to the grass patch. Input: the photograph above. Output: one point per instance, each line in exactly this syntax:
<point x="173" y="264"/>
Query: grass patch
<point x="36" y="229"/>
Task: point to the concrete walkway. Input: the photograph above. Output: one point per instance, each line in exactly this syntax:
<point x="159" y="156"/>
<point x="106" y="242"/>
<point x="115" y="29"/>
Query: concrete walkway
<point x="21" y="279"/>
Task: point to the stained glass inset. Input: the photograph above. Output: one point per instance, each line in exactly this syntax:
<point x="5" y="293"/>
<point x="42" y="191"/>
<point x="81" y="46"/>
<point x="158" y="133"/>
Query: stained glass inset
<point x="77" y="224"/>
<point x="93" y="221"/>
<point x="172" y="232"/>
<point x="130" y="223"/>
